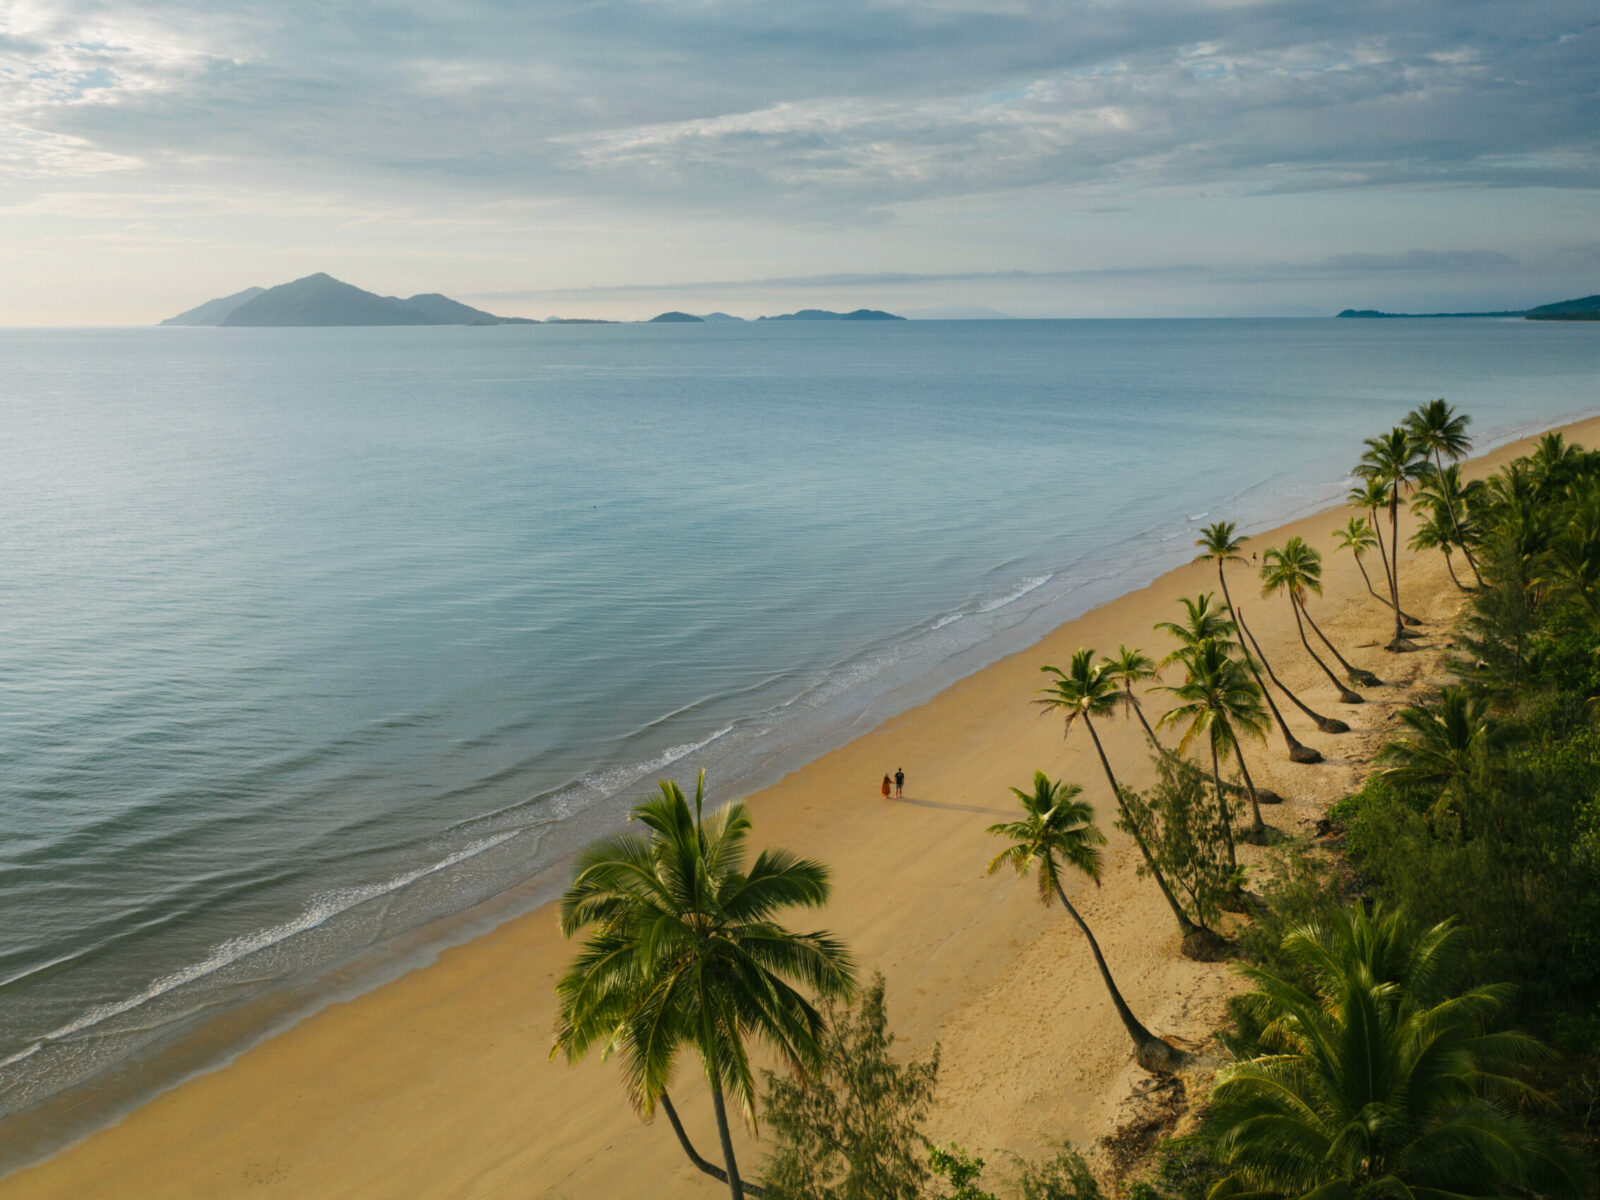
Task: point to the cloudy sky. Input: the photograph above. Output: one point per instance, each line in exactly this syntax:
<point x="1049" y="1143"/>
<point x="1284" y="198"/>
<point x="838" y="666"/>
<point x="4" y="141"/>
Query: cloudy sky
<point x="618" y="157"/>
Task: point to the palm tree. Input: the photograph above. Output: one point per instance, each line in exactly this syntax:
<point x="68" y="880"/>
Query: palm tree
<point x="1570" y="568"/>
<point x="1205" y="623"/>
<point x="1131" y="667"/>
<point x="1437" y="430"/>
<point x="1218" y="544"/>
<point x="1374" y="1081"/>
<point x="683" y="951"/>
<point x="1371" y="495"/>
<point x="1218" y="699"/>
<point x="1086" y="690"/>
<point x="1295" y="570"/>
<point x="1326" y="724"/>
<point x="1436" y="534"/>
<point x="1057" y="830"/>
<point x="1357" y="537"/>
<point x="1439" y="747"/>
<point x="1395" y="462"/>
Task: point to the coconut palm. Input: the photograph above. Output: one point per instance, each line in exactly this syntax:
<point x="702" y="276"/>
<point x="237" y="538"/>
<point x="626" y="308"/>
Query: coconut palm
<point x="1296" y="570"/>
<point x="1438" y="431"/>
<point x="1057" y="831"/>
<point x="1208" y="623"/>
<point x="1326" y="724"/>
<point x="683" y="951"/>
<point x="1131" y="667"/>
<point x="1219" y="699"/>
<point x="1373" y="1080"/>
<point x="1552" y="459"/>
<point x="1395" y="462"/>
<point x="1084" y="691"/>
<point x="1570" y="568"/>
<point x="1356" y="536"/>
<point x="1205" y="622"/>
<point x="1371" y="495"/>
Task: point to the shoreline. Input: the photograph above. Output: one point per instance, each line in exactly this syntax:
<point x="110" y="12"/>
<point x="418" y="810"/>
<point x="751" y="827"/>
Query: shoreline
<point x="968" y="959"/>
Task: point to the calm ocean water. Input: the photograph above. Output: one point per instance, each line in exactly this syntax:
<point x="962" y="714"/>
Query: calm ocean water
<point x="310" y="637"/>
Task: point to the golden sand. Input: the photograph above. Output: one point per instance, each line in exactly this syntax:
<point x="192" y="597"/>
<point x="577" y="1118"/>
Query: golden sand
<point x="439" y="1083"/>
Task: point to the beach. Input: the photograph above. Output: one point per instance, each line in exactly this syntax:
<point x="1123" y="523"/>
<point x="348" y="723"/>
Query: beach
<point x="439" y="1083"/>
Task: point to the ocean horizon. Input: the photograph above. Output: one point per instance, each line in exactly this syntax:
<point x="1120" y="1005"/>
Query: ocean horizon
<point x="318" y="639"/>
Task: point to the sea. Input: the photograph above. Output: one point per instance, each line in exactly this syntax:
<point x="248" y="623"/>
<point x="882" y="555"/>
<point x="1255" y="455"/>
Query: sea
<point x="320" y="648"/>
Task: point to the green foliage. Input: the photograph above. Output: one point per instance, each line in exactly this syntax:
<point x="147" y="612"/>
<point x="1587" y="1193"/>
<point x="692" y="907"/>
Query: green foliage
<point x="1378" y="1076"/>
<point x="852" y="1130"/>
<point x="1064" y="1176"/>
<point x="1298" y="888"/>
<point x="1176" y="820"/>
<point x="961" y="1170"/>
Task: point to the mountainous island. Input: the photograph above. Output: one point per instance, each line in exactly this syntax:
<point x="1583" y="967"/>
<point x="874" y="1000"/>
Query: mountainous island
<point x="321" y="299"/>
<point x="822" y="314"/>
<point x="1586" y="308"/>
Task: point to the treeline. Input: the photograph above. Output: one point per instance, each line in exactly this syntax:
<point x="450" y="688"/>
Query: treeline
<point x="1378" y="1052"/>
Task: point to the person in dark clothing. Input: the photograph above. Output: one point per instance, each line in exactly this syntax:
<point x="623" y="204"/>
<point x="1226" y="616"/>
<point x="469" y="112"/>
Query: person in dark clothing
<point x="899" y="782"/>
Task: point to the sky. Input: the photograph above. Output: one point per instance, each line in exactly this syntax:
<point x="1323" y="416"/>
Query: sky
<point x="616" y="158"/>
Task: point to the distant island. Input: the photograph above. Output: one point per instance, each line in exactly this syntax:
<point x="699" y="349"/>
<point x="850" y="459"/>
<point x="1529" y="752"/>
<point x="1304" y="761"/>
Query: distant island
<point x="822" y="314"/>
<point x="670" y="318"/>
<point x="321" y="300"/>
<point x="1586" y="308"/>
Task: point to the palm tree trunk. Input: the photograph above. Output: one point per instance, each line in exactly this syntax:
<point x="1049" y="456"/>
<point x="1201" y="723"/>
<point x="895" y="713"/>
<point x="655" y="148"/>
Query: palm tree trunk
<point x="1451" y="567"/>
<point x="1379" y="597"/>
<point x="1223" y="819"/>
<point x="708" y="1168"/>
<point x="1346" y="696"/>
<point x="1297" y="752"/>
<point x="735" y="1184"/>
<point x="1144" y="1041"/>
<point x="1185" y="925"/>
<point x="1394" y="578"/>
<point x="1450" y="508"/>
<point x="1355" y="674"/>
<point x="1259" y="829"/>
<point x="1326" y="724"/>
<point x="1388" y="575"/>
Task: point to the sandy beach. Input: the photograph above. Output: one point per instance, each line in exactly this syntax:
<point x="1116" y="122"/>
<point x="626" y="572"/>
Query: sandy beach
<point x="439" y="1084"/>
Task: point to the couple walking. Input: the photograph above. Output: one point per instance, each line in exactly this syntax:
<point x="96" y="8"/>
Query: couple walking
<point x="898" y="780"/>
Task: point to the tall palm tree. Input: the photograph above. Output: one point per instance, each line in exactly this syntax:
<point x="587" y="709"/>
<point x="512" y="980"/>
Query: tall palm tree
<point x="1326" y="724"/>
<point x="1131" y="667"/>
<point x="1374" y="1081"/>
<point x="1395" y="462"/>
<point x="1296" y="570"/>
<point x="1057" y="831"/>
<point x="1371" y="495"/>
<point x="1084" y="691"/>
<point x="1219" y="544"/>
<point x="1439" y="747"/>
<point x="683" y="951"/>
<point x="1356" y="536"/>
<point x="1219" y="699"/>
<point x="1204" y="622"/>
<point x="1437" y="430"/>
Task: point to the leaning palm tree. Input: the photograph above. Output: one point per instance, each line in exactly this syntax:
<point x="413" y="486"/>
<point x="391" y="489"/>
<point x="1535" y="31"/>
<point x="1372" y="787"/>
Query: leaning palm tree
<point x="1373" y="1080"/>
<point x="1218" y="544"/>
<point x="1204" y="622"/>
<point x="1394" y="462"/>
<point x="1371" y="495"/>
<point x="1357" y="536"/>
<point x="1435" y="533"/>
<point x="1296" y="570"/>
<point x="1131" y="667"/>
<point x="683" y="951"/>
<point x="1439" y="748"/>
<point x="1057" y="830"/>
<point x="1326" y="724"/>
<point x="1438" y="431"/>
<point x="1217" y="698"/>
<point x="1084" y="691"/>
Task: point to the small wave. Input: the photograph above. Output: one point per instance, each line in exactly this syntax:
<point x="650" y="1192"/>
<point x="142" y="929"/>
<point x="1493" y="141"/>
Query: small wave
<point x="1199" y="515"/>
<point x="943" y="621"/>
<point x="29" y="1052"/>
<point x="1016" y="594"/>
<point x="321" y="909"/>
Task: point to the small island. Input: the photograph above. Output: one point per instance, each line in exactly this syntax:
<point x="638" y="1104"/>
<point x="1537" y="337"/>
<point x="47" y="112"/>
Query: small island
<point x="676" y="318"/>
<point x="1586" y="308"/>
<point x="322" y="300"/>
<point x="822" y="314"/>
